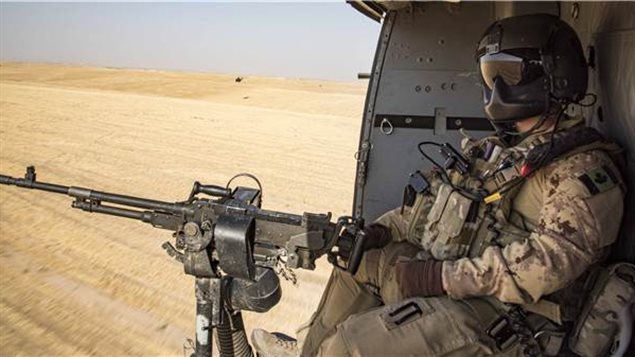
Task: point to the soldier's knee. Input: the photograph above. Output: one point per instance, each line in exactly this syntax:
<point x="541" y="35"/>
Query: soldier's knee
<point x="344" y="295"/>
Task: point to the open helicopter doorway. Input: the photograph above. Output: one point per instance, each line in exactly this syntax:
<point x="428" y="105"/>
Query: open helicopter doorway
<point x="424" y="87"/>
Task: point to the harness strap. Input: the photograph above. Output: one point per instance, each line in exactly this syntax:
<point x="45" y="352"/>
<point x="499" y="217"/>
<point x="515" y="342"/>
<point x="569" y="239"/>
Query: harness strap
<point x="545" y="308"/>
<point x="568" y="142"/>
<point x="508" y="325"/>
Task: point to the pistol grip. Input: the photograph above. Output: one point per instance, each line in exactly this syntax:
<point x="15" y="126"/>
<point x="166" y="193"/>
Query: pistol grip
<point x="357" y="253"/>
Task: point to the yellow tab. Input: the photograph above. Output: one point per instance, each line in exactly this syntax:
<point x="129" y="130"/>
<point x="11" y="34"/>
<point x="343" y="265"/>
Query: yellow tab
<point x="492" y="198"/>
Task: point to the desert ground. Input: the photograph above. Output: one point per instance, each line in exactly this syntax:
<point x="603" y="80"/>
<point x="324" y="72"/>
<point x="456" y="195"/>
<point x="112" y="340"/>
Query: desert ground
<point x="74" y="283"/>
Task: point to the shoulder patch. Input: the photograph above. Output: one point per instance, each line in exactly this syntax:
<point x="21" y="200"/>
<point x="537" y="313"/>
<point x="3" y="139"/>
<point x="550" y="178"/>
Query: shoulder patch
<point x="598" y="179"/>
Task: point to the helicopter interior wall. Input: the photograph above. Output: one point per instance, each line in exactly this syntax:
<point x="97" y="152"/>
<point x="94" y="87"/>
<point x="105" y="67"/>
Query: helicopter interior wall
<point x="428" y="83"/>
<point x="609" y="28"/>
<point x="424" y="86"/>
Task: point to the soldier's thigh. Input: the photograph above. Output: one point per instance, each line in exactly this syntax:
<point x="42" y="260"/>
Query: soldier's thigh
<point x="388" y="287"/>
<point x="397" y="222"/>
<point x="413" y="327"/>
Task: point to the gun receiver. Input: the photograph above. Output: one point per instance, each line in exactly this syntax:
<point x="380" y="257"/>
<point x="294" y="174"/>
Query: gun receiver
<point x="232" y="246"/>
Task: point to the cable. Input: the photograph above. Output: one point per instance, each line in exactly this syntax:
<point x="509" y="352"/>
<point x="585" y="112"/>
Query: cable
<point x="512" y="184"/>
<point x="563" y="109"/>
<point x="429" y="158"/>
<point x="444" y="175"/>
<point x="550" y="100"/>
<point x="564" y="105"/>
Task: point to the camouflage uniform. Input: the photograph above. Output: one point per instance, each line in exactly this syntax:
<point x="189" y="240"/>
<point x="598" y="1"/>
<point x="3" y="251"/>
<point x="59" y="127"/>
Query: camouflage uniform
<point x="533" y="240"/>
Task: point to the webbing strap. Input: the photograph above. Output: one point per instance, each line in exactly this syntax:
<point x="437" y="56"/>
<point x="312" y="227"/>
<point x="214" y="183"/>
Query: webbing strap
<point x="545" y="308"/>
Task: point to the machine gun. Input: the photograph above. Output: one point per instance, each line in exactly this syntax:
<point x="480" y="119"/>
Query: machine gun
<point x="230" y="245"/>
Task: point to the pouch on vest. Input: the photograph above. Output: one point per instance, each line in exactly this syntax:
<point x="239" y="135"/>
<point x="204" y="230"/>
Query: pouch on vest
<point x="423" y="203"/>
<point x="450" y="225"/>
<point x="605" y="324"/>
<point x="417" y="185"/>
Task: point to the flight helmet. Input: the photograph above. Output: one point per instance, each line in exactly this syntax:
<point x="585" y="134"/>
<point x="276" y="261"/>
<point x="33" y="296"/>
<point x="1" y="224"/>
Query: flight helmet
<point x="530" y="65"/>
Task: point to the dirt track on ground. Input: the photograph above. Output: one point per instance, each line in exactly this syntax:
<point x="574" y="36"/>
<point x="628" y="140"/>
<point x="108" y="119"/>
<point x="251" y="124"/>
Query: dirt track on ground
<point x="75" y="283"/>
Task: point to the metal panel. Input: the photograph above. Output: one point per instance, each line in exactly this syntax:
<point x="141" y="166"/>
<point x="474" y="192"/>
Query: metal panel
<point x="515" y="8"/>
<point x="390" y="164"/>
<point x="369" y="109"/>
<point x="438" y="36"/>
<point x="428" y="72"/>
<point x="610" y="29"/>
<point x="420" y="92"/>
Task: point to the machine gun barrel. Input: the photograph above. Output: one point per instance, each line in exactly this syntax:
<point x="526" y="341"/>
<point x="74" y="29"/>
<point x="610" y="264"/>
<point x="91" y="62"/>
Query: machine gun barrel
<point x="88" y="194"/>
<point x="29" y="181"/>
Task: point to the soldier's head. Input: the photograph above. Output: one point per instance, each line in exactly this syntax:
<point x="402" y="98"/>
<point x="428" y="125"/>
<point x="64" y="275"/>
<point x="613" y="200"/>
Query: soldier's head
<point x="531" y="67"/>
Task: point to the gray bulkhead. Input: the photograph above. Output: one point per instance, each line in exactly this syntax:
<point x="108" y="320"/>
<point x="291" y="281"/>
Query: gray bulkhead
<point x="424" y="87"/>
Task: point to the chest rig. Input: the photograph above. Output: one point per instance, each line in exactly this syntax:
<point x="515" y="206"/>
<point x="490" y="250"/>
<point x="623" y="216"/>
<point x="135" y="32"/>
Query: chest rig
<point x="469" y="206"/>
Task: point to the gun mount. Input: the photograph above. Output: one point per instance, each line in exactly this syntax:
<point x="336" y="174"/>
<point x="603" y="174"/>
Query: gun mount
<point x="232" y="247"/>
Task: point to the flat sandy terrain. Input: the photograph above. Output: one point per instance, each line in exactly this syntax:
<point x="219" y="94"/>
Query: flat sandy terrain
<point x="74" y="283"/>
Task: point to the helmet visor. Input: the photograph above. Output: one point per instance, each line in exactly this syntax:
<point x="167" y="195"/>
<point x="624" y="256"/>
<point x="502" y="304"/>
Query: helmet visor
<point x="513" y="70"/>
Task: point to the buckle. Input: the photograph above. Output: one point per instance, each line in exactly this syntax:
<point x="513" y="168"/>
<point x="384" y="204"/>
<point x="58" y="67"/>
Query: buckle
<point x="502" y="332"/>
<point x="400" y="315"/>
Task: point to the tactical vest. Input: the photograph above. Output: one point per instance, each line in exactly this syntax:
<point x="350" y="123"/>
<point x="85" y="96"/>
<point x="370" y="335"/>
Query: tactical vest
<point x="451" y="224"/>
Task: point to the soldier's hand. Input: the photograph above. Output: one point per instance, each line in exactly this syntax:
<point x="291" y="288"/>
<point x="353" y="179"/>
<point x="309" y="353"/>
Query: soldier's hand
<point x="377" y="236"/>
<point x="419" y="278"/>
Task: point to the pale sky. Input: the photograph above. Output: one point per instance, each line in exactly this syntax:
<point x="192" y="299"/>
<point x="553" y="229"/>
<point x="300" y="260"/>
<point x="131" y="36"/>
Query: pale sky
<point x="297" y="40"/>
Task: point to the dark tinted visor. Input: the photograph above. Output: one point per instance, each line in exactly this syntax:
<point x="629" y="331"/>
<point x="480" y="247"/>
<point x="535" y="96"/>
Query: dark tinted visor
<point x="513" y="70"/>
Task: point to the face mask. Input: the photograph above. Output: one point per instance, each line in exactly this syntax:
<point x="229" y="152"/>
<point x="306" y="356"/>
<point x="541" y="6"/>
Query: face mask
<point x="505" y="103"/>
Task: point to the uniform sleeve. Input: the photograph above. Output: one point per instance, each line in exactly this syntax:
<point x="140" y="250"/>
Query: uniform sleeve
<point x="578" y="220"/>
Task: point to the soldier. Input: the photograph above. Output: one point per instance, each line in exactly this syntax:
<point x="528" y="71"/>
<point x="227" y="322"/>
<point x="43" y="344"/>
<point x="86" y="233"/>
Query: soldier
<point x="487" y="258"/>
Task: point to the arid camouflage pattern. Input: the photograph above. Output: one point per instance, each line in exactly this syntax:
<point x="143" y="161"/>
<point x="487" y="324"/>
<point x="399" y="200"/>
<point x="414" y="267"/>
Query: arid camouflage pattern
<point x="606" y="313"/>
<point x="534" y="239"/>
<point x="572" y="229"/>
<point x="548" y="232"/>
